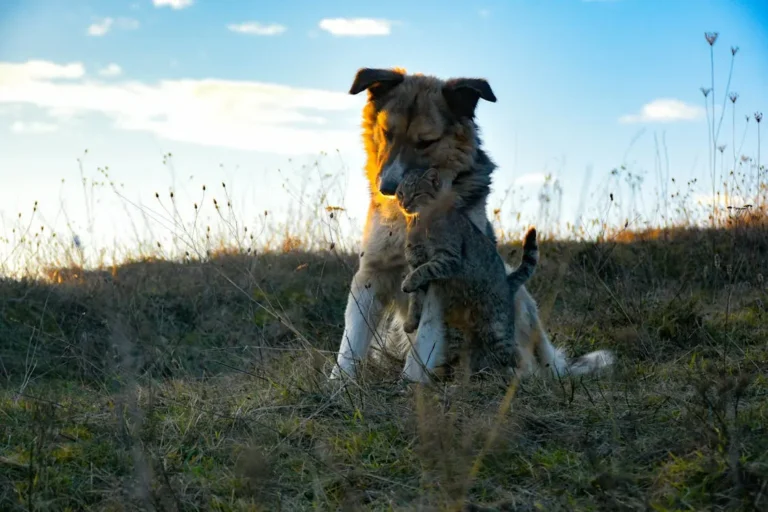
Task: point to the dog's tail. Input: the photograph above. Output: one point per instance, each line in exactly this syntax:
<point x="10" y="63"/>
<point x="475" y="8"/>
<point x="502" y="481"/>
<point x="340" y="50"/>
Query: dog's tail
<point x="529" y="262"/>
<point x="559" y="365"/>
<point x="550" y="359"/>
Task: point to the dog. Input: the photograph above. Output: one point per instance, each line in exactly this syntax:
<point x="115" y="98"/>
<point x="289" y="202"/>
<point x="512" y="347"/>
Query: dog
<point x="413" y="122"/>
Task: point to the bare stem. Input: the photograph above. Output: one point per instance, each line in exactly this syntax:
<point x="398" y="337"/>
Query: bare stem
<point x="713" y="140"/>
<point x="733" y="129"/>
<point x="743" y="137"/>
<point x="725" y="98"/>
<point x="759" y="174"/>
<point x="711" y="165"/>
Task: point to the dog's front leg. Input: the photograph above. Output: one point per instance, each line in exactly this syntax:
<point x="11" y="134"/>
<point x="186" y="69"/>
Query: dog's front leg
<point x="427" y="351"/>
<point x="362" y="316"/>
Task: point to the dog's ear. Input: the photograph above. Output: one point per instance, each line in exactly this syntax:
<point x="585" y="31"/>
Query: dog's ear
<point x="462" y="95"/>
<point x="377" y="81"/>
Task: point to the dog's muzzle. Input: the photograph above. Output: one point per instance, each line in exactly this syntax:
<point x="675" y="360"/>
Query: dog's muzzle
<point x="390" y="177"/>
<point x="388" y="187"/>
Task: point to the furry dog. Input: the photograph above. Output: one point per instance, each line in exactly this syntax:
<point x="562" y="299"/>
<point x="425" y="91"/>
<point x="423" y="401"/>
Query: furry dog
<point x="413" y="122"/>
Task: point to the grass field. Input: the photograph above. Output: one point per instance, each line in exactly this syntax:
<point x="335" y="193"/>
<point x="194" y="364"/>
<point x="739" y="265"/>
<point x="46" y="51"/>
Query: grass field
<point x="192" y="386"/>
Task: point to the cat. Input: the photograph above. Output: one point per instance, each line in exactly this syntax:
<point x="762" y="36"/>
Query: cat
<point x="445" y="250"/>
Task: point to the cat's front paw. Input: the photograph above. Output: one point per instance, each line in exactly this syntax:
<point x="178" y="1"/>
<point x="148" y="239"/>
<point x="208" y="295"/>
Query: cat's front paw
<point x="410" y="325"/>
<point x="409" y="284"/>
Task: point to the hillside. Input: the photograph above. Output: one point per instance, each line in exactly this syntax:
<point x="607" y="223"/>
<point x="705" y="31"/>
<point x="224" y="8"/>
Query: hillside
<point x="200" y="386"/>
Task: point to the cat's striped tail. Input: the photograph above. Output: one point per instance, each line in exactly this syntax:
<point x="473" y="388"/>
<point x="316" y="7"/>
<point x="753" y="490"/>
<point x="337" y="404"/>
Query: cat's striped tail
<point x="529" y="262"/>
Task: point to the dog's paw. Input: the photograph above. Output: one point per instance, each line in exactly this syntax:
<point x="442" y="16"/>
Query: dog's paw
<point x="410" y="325"/>
<point x="339" y="376"/>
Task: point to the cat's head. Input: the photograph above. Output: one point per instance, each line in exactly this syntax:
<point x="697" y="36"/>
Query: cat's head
<point x="418" y="190"/>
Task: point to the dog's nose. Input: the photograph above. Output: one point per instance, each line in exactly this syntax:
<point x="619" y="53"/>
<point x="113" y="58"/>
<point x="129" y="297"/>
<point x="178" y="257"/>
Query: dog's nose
<point x="388" y="187"/>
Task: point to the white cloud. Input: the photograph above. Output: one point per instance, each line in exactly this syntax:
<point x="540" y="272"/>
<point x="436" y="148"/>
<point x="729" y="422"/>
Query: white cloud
<point x="257" y="29"/>
<point x="243" y="115"/>
<point x="104" y="25"/>
<point x="12" y="73"/>
<point x="664" y="111"/>
<point x="33" y="127"/>
<point x="173" y="4"/>
<point x="357" y="27"/>
<point x="101" y="27"/>
<point x="532" y="178"/>
<point x="111" y="70"/>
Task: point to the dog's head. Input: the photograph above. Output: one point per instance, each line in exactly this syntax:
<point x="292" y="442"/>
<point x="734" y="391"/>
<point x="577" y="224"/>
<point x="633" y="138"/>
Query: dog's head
<point x="413" y="122"/>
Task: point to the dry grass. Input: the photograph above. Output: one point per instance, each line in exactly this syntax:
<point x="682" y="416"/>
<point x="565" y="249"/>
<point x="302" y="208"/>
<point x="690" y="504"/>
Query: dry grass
<point x="200" y="385"/>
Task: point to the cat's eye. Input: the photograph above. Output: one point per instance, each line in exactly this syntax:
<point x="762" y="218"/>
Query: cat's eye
<point x="387" y="134"/>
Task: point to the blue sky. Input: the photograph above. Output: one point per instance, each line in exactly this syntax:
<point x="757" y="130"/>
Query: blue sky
<point x="236" y="89"/>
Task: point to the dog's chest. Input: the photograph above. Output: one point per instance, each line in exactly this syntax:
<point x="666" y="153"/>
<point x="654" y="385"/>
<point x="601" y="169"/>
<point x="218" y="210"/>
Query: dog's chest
<point x="384" y="247"/>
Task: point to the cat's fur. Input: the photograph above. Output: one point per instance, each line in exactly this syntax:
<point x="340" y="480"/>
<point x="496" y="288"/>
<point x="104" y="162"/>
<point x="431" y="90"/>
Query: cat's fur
<point x="444" y="249"/>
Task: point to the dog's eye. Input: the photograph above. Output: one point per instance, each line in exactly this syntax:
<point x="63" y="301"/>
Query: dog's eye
<point x="424" y="144"/>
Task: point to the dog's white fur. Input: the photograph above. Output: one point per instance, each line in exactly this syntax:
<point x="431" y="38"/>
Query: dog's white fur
<point x="369" y="311"/>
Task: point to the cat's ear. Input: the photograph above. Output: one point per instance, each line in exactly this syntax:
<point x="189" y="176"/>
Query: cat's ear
<point x="434" y="178"/>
